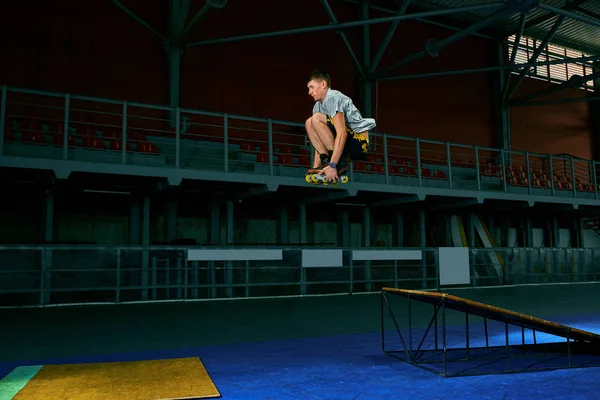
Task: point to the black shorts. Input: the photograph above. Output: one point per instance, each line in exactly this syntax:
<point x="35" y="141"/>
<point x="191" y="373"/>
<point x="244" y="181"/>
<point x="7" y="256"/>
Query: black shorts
<point x="357" y="145"/>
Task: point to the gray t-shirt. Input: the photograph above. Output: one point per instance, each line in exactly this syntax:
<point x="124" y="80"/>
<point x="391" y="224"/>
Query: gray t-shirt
<point x="335" y="101"/>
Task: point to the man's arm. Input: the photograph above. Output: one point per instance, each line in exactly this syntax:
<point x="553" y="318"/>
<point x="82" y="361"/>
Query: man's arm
<point x="339" y="123"/>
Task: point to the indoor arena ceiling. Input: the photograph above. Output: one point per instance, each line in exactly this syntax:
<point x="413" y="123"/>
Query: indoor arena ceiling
<point x="581" y="35"/>
<point x="574" y="24"/>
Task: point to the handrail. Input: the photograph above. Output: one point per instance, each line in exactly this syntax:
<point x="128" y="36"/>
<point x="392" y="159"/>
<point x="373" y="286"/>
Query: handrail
<point x="418" y="153"/>
<point x="245" y="117"/>
<point x="122" y="274"/>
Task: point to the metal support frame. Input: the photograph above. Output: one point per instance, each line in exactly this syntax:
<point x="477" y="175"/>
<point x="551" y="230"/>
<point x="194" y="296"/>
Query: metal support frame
<point x="178" y="32"/>
<point x="433" y="47"/>
<point x="365" y="83"/>
<point x="586" y="12"/>
<point x="452" y="361"/>
<point x="388" y="37"/>
<point x="535" y="55"/>
<point x="178" y="12"/>
<point x="2" y="118"/>
<point x="347" y="44"/>
<point x="175" y="39"/>
<point x="491" y="69"/>
<point x="48" y="212"/>
<point x="177" y="16"/>
<point x="556" y="101"/>
<point x="543" y="18"/>
<point x="522" y="26"/>
<point x="574" y="81"/>
<point x="199" y="16"/>
<point x="594" y="112"/>
<point x="513" y="56"/>
<point x="351" y="24"/>
<point x="518" y="37"/>
<point x="140" y="20"/>
<point x="567" y="14"/>
<point x="501" y="110"/>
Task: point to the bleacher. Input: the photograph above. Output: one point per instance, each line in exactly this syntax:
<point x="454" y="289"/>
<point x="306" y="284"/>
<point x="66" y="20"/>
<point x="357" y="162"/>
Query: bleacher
<point x="34" y="127"/>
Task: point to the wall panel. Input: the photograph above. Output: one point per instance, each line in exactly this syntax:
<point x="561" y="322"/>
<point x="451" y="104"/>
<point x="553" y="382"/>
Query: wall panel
<point x="97" y="50"/>
<point x="553" y="128"/>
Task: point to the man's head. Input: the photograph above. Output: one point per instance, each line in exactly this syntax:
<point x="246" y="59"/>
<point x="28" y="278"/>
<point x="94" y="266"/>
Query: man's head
<point x="318" y="83"/>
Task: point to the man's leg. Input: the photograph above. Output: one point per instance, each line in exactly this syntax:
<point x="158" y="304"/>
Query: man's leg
<point x="320" y="137"/>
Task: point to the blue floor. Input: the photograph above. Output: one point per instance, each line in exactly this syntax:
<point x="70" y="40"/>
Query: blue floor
<point x="353" y="367"/>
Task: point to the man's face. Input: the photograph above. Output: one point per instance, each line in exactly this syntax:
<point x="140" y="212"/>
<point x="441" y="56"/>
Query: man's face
<point x="317" y="89"/>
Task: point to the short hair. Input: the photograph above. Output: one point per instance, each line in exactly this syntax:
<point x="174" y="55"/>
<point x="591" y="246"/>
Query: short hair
<point x="320" y="75"/>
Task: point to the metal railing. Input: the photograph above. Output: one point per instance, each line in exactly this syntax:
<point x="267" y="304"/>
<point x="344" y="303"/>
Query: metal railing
<point x="55" y="275"/>
<point x="71" y="127"/>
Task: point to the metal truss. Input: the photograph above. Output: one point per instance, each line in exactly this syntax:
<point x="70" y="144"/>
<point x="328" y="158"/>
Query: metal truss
<point x="490" y="69"/>
<point x="343" y="25"/>
<point x="178" y="15"/>
<point x="534" y="56"/>
<point x="433" y="48"/>
<point x="388" y="37"/>
<point x="576" y="81"/>
<point x="513" y="56"/>
<point x="570" y="15"/>
<point x="573" y="82"/>
<point x="557" y="101"/>
<point x="347" y="44"/>
<point x="139" y="20"/>
<point x="541" y="19"/>
<point x="175" y="40"/>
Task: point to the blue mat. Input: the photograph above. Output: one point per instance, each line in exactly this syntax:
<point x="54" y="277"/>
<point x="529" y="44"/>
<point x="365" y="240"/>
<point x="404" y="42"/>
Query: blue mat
<point x="354" y="367"/>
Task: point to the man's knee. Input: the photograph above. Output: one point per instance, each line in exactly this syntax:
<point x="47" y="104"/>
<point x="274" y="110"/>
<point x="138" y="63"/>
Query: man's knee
<point x="319" y="117"/>
<point x="308" y="124"/>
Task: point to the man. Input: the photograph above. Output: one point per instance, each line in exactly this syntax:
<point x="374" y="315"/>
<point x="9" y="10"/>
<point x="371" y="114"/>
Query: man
<point x="336" y="130"/>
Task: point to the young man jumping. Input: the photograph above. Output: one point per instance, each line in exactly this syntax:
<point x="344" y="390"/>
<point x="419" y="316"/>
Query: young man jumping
<point x="336" y="130"/>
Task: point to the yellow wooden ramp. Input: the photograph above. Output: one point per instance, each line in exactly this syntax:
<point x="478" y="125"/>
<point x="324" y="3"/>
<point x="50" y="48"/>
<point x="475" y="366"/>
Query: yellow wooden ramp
<point x="169" y="379"/>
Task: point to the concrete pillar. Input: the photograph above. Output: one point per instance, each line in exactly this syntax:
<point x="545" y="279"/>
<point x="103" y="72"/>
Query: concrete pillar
<point x="135" y="222"/>
<point x="283" y="227"/>
<point x="343" y="228"/>
<point x="48" y="213"/>
<point x="146" y="221"/>
<point x="398" y="230"/>
<point x="230" y="225"/>
<point x="302" y="223"/>
<point x="171" y="221"/>
<point x="214" y="223"/>
<point x="366" y="227"/>
<point x="422" y="228"/>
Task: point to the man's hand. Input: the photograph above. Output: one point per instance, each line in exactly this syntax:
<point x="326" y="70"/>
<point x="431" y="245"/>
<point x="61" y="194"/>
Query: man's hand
<point x="330" y="173"/>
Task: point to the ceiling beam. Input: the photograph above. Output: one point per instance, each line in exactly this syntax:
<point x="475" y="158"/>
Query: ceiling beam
<point x="139" y="19"/>
<point x="351" y="24"/>
<point x="395" y="201"/>
<point x="491" y="69"/>
<point x="543" y="18"/>
<point x="459" y="204"/>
